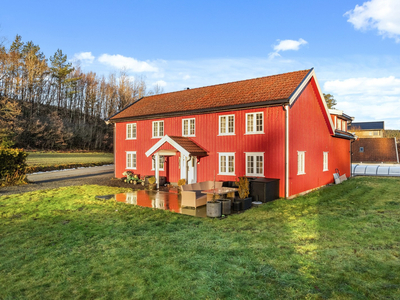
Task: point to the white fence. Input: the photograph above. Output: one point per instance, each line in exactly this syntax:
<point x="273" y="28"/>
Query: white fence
<point x="375" y="170"/>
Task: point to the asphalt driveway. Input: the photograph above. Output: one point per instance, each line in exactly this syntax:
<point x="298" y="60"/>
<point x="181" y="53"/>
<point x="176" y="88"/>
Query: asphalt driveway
<point x="101" y="175"/>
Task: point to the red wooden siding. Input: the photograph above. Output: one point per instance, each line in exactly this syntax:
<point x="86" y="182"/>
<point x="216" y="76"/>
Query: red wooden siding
<point x="309" y="132"/>
<point x="272" y="142"/>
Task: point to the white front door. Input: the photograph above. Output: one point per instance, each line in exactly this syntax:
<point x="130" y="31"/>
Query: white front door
<point x="189" y="169"/>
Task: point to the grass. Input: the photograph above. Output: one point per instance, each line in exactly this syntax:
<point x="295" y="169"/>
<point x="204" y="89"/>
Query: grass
<point x="341" y="242"/>
<point x="47" y="161"/>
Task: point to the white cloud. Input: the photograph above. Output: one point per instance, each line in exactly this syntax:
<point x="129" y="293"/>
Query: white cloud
<point x="286" y="45"/>
<point x="84" y="57"/>
<point x="368" y="98"/>
<point x="127" y="63"/>
<point x="160" y="83"/>
<point x="382" y="15"/>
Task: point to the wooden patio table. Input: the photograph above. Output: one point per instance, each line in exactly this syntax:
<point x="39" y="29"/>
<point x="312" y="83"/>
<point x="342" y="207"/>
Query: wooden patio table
<point x="219" y="192"/>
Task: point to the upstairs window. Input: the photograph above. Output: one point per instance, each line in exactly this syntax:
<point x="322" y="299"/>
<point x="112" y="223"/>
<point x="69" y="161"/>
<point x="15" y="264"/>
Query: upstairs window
<point x="254" y="123"/>
<point x="344" y="125"/>
<point x="339" y="124"/>
<point x="325" y="162"/>
<point x="227" y="125"/>
<point x="131" y="131"/>
<point x="188" y="127"/>
<point x="131" y="160"/>
<point x="255" y="164"/>
<point x="158" y="129"/>
<point x="301" y="155"/>
<point x="226" y="163"/>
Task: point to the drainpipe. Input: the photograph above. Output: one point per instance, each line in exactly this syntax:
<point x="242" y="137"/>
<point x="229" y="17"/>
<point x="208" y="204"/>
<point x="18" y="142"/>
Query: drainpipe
<point x="286" y="109"/>
<point x="395" y="147"/>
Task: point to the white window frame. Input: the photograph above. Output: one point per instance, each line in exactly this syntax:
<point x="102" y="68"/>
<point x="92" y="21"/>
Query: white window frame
<point x="226" y="155"/>
<point x="226" y="125"/>
<point x="161" y="162"/>
<point x="301" y="162"/>
<point x="130" y="129"/>
<point x="344" y="125"/>
<point x="159" y="134"/>
<point x="254" y="129"/>
<point x="254" y="155"/>
<point x="133" y="160"/>
<point x="339" y="124"/>
<point x="325" y="160"/>
<point x="189" y="121"/>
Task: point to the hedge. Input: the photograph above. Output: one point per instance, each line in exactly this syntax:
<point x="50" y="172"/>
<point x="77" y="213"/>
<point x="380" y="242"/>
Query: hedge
<point x="12" y="166"/>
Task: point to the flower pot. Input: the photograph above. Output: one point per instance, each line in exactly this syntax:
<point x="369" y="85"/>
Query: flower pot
<point x="225" y="206"/>
<point x="213" y="209"/>
<point x="237" y="205"/>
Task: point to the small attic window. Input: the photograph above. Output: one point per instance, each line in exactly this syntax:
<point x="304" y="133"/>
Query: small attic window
<point x="361" y="149"/>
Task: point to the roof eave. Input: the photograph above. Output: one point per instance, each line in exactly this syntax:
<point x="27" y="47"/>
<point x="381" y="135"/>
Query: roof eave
<point x="204" y="110"/>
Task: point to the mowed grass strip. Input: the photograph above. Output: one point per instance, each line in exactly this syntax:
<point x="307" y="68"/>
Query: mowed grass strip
<point x="341" y="242"/>
<point x="47" y="161"/>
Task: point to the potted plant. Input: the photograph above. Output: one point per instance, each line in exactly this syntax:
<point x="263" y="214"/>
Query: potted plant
<point x="243" y="189"/>
<point x="214" y="206"/>
<point x="152" y="182"/>
<point x="180" y="183"/>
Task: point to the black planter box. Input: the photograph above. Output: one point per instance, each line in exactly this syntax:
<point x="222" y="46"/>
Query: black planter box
<point x="264" y="189"/>
<point x="245" y="203"/>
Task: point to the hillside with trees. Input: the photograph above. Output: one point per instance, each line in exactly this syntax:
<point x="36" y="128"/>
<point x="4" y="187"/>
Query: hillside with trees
<point x="50" y="104"/>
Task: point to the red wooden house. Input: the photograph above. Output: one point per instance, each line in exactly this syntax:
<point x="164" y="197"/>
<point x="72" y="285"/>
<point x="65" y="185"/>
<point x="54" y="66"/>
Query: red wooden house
<point x="275" y="127"/>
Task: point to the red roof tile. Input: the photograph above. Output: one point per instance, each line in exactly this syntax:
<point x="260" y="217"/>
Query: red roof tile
<point x="189" y="145"/>
<point x="374" y="150"/>
<point x="270" y="88"/>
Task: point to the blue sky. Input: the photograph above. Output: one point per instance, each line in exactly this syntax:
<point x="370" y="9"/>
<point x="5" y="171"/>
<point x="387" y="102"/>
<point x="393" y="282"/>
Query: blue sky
<point x="353" y="45"/>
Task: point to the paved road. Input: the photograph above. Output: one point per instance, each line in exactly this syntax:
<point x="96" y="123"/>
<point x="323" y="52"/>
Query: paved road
<point x="71" y="174"/>
<point x="50" y="180"/>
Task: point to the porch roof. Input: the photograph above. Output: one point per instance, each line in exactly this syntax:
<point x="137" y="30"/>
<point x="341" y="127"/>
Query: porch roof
<point x="183" y="144"/>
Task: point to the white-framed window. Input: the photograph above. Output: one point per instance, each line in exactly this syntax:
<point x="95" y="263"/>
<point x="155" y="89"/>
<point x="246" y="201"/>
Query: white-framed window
<point x="325" y="162"/>
<point x="227" y="163"/>
<point x="339" y="124"/>
<point x="227" y="125"/>
<point x="131" y="160"/>
<point x="131" y="131"/>
<point x="255" y="123"/>
<point x="158" y="129"/>
<point x="344" y="125"/>
<point x="255" y="164"/>
<point x="160" y="163"/>
<point x="361" y="149"/>
<point x="188" y="127"/>
<point x="301" y="157"/>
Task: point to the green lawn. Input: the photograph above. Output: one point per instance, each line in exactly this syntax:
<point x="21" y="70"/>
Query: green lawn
<point x="45" y="161"/>
<point x="341" y="242"/>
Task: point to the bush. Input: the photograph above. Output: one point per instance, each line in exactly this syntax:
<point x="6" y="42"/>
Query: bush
<point x="12" y="166"/>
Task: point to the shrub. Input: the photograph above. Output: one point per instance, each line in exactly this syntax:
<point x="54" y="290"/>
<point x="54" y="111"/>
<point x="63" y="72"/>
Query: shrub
<point x="12" y="166"/>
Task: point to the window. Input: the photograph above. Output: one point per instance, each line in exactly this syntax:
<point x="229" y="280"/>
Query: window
<point x="301" y="162"/>
<point x="227" y="125"/>
<point x="254" y="123"/>
<point x="160" y="163"/>
<point x="344" y="125"/>
<point x="361" y="149"/>
<point x="131" y="160"/>
<point x="158" y="129"/>
<point x="339" y="124"/>
<point x="255" y="164"/>
<point x="188" y="127"/>
<point x="227" y="164"/>
<point x="325" y="163"/>
<point x="131" y="131"/>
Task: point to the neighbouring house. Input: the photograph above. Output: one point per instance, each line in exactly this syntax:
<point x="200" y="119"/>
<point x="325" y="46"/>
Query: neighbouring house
<point x="368" y="129"/>
<point x="274" y="127"/>
<point x="370" y="150"/>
